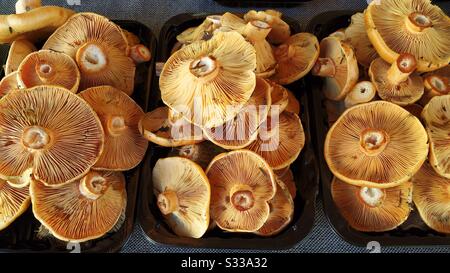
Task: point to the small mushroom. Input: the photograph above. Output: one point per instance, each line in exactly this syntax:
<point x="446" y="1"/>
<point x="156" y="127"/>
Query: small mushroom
<point x="293" y="104"/>
<point x="183" y="195"/>
<point x="8" y="84"/>
<point x="437" y="83"/>
<point x="415" y="27"/>
<point x="280" y="30"/>
<point x="362" y="92"/>
<point x="372" y="209"/>
<point x="337" y="64"/>
<point x="287" y="176"/>
<point x="242" y="183"/>
<point x="201" y="153"/>
<point x="397" y="83"/>
<point x="124" y="146"/>
<point x="376" y="144"/>
<point x="280" y="97"/>
<point x="295" y="58"/>
<point x="17" y="52"/>
<point x="47" y="67"/>
<point x="83" y="210"/>
<point x="23" y="6"/>
<point x="203" y="32"/>
<point x="14" y="202"/>
<point x="140" y="54"/>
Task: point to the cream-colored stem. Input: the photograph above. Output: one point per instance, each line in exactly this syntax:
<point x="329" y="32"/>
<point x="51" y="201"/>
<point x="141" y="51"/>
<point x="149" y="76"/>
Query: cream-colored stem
<point x="417" y="22"/>
<point x="256" y="30"/>
<point x="23" y="6"/>
<point x="401" y="68"/>
<point x="168" y="202"/>
<point x="324" y="67"/>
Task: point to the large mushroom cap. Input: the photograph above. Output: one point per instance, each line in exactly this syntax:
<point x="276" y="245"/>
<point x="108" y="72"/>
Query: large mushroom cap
<point x="377" y="144"/>
<point x="120" y="115"/>
<point x="99" y="48"/>
<point x="372" y="209"/>
<point x="204" y="79"/>
<point x="183" y="194"/>
<point x="8" y="84"/>
<point x="201" y="153"/>
<point x="13" y="202"/>
<point x="49" y="132"/>
<point x="280" y="30"/>
<point x="280" y="140"/>
<point x="17" y="52"/>
<point x="436" y="115"/>
<point x="241" y="185"/>
<point x="48" y="67"/>
<point x="82" y="210"/>
<point x="431" y="195"/>
<point x="295" y="57"/>
<point x="413" y="26"/>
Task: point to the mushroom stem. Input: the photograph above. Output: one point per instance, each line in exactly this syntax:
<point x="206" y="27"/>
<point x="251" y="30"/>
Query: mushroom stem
<point x="373" y="141"/>
<point x="215" y="19"/>
<point x="242" y="197"/>
<point x="324" y="67"/>
<point x="115" y="125"/>
<point x="91" y="58"/>
<point x="35" y="137"/>
<point x="168" y="202"/>
<point x="44" y="71"/>
<point x="401" y="68"/>
<point x="23" y="6"/>
<point x="362" y="92"/>
<point x="437" y="85"/>
<point x="140" y="54"/>
<point x="93" y="185"/>
<point x="372" y="197"/>
<point x="256" y="30"/>
<point x="205" y="68"/>
<point x="417" y="22"/>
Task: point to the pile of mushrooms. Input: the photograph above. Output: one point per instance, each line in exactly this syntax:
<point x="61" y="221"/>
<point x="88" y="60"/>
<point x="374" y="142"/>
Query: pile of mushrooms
<point x="68" y="124"/>
<point x="386" y="84"/>
<point x="234" y="129"/>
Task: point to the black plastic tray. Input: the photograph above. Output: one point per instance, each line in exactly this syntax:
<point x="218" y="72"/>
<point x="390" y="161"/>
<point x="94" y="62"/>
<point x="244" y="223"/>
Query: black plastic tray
<point x="21" y="235"/>
<point x="413" y="232"/>
<point x="305" y="172"/>
<point x="261" y="3"/>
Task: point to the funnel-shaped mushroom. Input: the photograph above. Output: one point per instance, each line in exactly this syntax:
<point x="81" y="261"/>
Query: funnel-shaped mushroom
<point x="48" y="132"/>
<point x="414" y="26"/>
<point x="48" y="67"/>
<point x="17" y="52"/>
<point x="362" y="92"/>
<point x="14" y="201"/>
<point x="203" y="32"/>
<point x="183" y="195"/>
<point x="280" y="141"/>
<point x="372" y="209"/>
<point x="293" y="104"/>
<point x="201" y="153"/>
<point x="436" y="115"/>
<point x="280" y="97"/>
<point x="280" y="30"/>
<point x="295" y="57"/>
<point x="337" y="64"/>
<point x="99" y="48"/>
<point x="8" y="84"/>
<point x="203" y="80"/>
<point x="437" y="83"/>
<point x="287" y="176"/>
<point x="241" y="185"/>
<point x="120" y="115"/>
<point x="82" y="210"/>
<point x="376" y="144"/>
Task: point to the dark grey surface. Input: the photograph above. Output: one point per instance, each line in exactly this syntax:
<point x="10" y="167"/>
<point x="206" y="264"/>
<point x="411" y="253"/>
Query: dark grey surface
<point x="154" y="13"/>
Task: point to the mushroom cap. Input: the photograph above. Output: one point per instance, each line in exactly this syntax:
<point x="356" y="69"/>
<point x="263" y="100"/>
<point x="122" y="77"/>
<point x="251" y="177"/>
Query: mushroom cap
<point x="431" y="197"/>
<point x="280" y="30"/>
<point x="388" y="26"/>
<point x="189" y="184"/>
<point x="99" y="48"/>
<point x="295" y="57"/>
<point x="13" y="202"/>
<point x="404" y="93"/>
<point x="376" y="144"/>
<point x="436" y="115"/>
<point x="243" y="129"/>
<point x="281" y="211"/>
<point x="8" y="84"/>
<point x="156" y="127"/>
<point x="83" y="210"/>
<point x="46" y="67"/>
<point x="17" y="52"/>
<point x="241" y="185"/>
<point x="356" y="35"/>
<point x="437" y="83"/>
<point x="280" y="140"/>
<point x="50" y="133"/>
<point x="201" y="153"/>
<point x="120" y="115"/>
<point x="372" y="209"/>
<point x="203" y="80"/>
<point x="293" y="104"/>
<point x="287" y="176"/>
<point x="280" y="97"/>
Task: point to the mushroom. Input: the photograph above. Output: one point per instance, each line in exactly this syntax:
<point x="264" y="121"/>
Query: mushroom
<point x="415" y="27"/>
<point x="362" y="92"/>
<point x="337" y="64"/>
<point x="242" y="183"/>
<point x="23" y="6"/>
<point x="49" y="133"/>
<point x="372" y="209"/>
<point x="431" y="197"/>
<point x="397" y="83"/>
<point x="287" y="177"/>
<point x="201" y="153"/>
<point x="340" y="34"/>
<point x="120" y="115"/>
<point x="14" y="202"/>
<point x="99" y="48"/>
<point x="280" y="140"/>
<point x="203" y="32"/>
<point x="280" y="30"/>
<point x="281" y="212"/>
<point x="183" y="195"/>
<point x="140" y="54"/>
<point x="157" y="127"/>
<point x="47" y="67"/>
<point x="376" y="144"/>
<point x="83" y="210"/>
<point x="8" y="84"/>
<point x="293" y="104"/>
<point x="280" y="97"/>
<point x="33" y="25"/>
<point x="239" y="132"/>
<point x="131" y="38"/>
<point x="17" y="52"/>
<point x="437" y="83"/>
<point x="356" y="35"/>
<point x="295" y="58"/>
<point x="436" y="115"/>
<point x="215" y="78"/>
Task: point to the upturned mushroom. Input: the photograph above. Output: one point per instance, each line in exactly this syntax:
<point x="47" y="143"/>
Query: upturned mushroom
<point x="17" y="52"/>
<point x="140" y="54"/>
<point x="14" y="202"/>
<point x="362" y="92"/>
<point x="280" y="30"/>
<point x="437" y="83"/>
